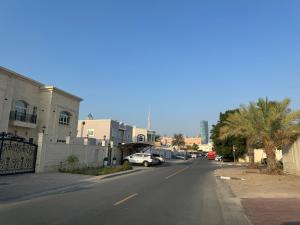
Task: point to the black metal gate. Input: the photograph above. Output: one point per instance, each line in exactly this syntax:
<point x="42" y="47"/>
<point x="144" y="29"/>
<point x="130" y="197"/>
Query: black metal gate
<point x="16" y="155"/>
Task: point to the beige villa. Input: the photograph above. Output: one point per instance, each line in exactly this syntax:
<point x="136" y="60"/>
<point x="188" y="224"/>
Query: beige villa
<point x="28" y="107"/>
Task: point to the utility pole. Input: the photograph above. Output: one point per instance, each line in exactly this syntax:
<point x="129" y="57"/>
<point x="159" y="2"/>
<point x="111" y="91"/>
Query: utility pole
<point x="149" y="118"/>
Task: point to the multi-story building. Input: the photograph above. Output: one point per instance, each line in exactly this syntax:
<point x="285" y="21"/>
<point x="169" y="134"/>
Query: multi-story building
<point x="105" y="129"/>
<point x="167" y="141"/>
<point x="204" y="131"/>
<point x="28" y="107"/>
<point x="192" y="140"/>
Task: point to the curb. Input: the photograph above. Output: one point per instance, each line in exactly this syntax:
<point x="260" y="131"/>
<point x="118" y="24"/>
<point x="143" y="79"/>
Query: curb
<point x="230" y="178"/>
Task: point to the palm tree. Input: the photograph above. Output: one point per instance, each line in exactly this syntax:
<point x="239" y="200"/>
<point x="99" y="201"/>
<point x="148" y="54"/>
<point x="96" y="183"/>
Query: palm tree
<point x="269" y="123"/>
<point x="178" y="140"/>
<point x="242" y="123"/>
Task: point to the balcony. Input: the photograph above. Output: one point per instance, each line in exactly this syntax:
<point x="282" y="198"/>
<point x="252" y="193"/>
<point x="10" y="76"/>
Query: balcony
<point x="21" y="119"/>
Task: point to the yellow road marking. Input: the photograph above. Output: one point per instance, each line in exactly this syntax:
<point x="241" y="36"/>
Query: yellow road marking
<point x="177" y="172"/>
<point x="125" y="199"/>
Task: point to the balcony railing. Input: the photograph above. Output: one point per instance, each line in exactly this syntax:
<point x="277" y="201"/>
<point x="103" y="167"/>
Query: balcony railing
<point x="23" y="117"/>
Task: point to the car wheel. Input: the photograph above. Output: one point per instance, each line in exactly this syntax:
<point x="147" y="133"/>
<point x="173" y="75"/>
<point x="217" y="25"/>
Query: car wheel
<point x="146" y="164"/>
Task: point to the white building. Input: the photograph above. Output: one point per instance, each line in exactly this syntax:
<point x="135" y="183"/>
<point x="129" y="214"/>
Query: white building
<point x="28" y="107"/>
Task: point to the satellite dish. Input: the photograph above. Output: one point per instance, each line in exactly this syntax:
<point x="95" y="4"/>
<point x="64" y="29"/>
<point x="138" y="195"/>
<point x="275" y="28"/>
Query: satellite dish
<point x="90" y="117"/>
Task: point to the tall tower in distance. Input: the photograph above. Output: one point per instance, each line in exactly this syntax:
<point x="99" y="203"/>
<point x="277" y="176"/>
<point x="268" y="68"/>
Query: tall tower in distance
<point x="204" y="131"/>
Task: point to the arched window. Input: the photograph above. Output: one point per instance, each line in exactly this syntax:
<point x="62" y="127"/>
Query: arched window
<point x="20" y="110"/>
<point x="141" y="138"/>
<point x="21" y="106"/>
<point x="64" y="118"/>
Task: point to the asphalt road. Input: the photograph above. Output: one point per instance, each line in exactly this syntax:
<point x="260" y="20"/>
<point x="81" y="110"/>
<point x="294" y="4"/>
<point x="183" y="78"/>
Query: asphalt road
<point x="183" y="194"/>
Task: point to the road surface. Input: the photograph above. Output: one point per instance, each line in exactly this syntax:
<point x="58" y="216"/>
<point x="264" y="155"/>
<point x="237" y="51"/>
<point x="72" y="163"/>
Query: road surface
<point x="181" y="194"/>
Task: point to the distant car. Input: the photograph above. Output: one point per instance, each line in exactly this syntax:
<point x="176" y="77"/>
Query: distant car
<point x="181" y="157"/>
<point x="211" y="155"/>
<point x="145" y="159"/>
<point x="218" y="158"/>
<point x="194" y="156"/>
<point x="159" y="157"/>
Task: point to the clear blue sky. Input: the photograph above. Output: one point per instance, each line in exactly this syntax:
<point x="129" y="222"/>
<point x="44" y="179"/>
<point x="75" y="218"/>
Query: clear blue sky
<point x="189" y="59"/>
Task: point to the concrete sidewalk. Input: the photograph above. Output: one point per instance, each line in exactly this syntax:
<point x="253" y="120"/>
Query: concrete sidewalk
<point x="267" y="199"/>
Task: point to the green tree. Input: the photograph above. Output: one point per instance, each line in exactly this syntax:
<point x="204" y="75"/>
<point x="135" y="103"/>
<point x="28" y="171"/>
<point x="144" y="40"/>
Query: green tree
<point x="224" y="146"/>
<point x="157" y="137"/>
<point x="195" y="147"/>
<point x="178" y="140"/>
<point x="270" y="124"/>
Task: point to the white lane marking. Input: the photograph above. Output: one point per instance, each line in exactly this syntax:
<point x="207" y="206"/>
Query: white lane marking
<point x="225" y="178"/>
<point x="125" y="199"/>
<point x="177" y="172"/>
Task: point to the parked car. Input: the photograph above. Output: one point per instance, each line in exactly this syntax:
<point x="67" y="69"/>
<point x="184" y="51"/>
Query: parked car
<point x="194" y="156"/>
<point x="181" y="157"/>
<point x="145" y="159"/>
<point x="218" y="158"/>
<point x="159" y="157"/>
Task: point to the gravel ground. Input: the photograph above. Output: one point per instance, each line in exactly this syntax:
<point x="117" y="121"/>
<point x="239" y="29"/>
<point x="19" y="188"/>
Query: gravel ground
<point x="267" y="199"/>
<point x="258" y="185"/>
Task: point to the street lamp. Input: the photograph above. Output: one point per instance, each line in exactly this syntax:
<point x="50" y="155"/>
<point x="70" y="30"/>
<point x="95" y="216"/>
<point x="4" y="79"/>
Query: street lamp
<point x="233" y="152"/>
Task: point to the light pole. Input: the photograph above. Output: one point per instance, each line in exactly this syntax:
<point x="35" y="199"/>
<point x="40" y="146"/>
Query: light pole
<point x="233" y="152"/>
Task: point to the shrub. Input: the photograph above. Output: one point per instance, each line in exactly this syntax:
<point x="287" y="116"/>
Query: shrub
<point x="126" y="166"/>
<point x="72" y="159"/>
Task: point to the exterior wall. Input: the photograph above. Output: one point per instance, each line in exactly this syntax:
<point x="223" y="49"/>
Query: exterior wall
<point x="5" y="101"/>
<point x="291" y="158"/>
<point x="192" y="140"/>
<point x="100" y="128"/>
<point x="113" y="130"/>
<point x="166" y="141"/>
<point x="58" y="104"/>
<point x="148" y="134"/>
<point x="52" y="155"/>
<point x="260" y="154"/>
<point x="44" y="102"/>
<point x="206" y="147"/>
<point x="18" y="88"/>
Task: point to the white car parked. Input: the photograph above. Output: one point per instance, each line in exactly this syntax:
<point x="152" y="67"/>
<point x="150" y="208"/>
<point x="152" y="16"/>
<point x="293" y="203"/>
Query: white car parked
<point x="145" y="159"/>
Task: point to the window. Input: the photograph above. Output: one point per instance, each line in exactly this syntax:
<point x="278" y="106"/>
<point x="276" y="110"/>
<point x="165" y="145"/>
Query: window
<point x="64" y="118"/>
<point x="20" y="110"/>
<point x="91" y="132"/>
<point x="141" y="138"/>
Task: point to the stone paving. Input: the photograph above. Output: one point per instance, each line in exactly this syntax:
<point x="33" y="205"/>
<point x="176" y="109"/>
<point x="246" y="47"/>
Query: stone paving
<point x="267" y="199"/>
<point x="262" y="211"/>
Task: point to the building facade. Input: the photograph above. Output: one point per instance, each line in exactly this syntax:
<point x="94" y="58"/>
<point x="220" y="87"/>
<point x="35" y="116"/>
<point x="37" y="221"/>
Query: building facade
<point x="204" y="131"/>
<point x="192" y="140"/>
<point x="105" y="129"/>
<point x="28" y="107"/>
<point x="189" y="141"/>
<point x="142" y="135"/>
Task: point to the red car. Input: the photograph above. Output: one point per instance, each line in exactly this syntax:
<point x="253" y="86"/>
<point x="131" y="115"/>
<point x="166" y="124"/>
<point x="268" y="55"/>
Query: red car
<point x="211" y="155"/>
